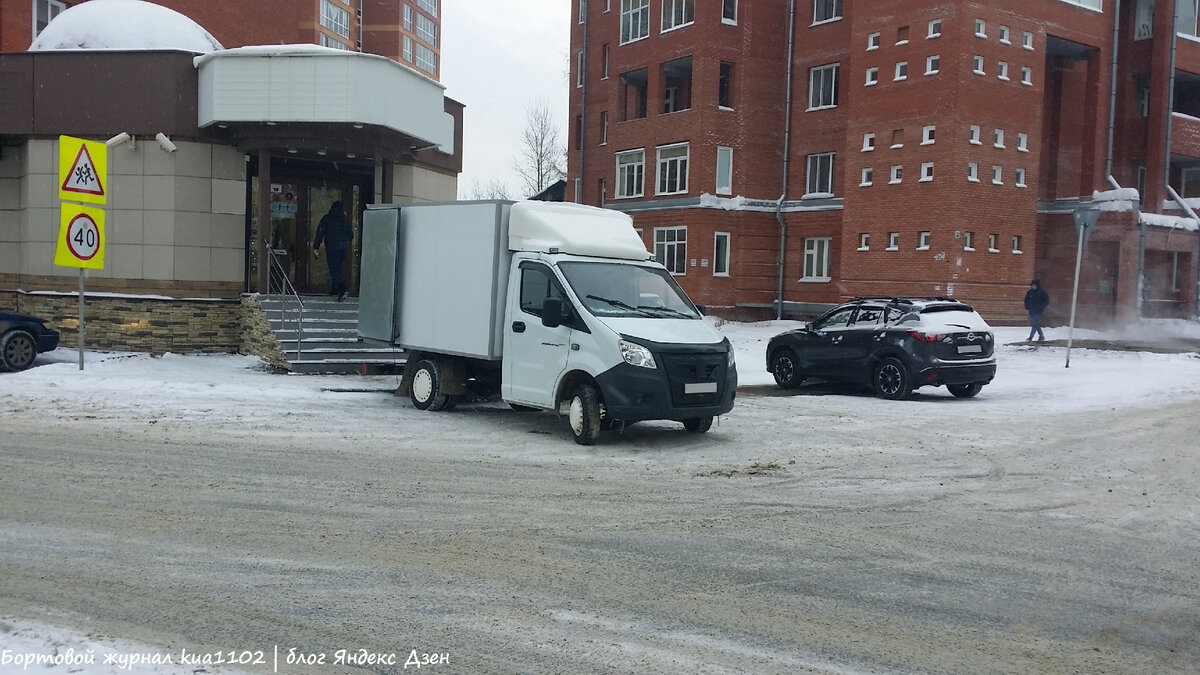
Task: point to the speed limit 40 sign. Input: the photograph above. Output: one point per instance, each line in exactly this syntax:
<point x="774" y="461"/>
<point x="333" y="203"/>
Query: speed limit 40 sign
<point x="80" y="237"/>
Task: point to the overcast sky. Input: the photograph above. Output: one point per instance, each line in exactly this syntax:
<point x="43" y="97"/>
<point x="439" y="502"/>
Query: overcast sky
<point x="498" y="59"/>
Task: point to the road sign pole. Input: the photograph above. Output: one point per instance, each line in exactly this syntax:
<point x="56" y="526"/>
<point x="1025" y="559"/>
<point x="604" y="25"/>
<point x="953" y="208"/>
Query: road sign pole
<point x="81" y="318"/>
<point x="1085" y="219"/>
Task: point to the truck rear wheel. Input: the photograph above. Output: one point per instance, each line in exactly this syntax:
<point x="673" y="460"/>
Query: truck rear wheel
<point x="584" y="414"/>
<point x="425" y="392"/>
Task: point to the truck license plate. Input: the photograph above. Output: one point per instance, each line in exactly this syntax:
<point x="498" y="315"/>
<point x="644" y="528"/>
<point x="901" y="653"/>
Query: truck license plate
<point x="970" y="349"/>
<point x="700" y="388"/>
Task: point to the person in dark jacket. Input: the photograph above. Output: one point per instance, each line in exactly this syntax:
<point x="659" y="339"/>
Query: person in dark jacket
<point x="337" y="233"/>
<point x="1036" y="301"/>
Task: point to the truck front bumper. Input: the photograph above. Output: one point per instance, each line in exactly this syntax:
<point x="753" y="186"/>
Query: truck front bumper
<point x="683" y="386"/>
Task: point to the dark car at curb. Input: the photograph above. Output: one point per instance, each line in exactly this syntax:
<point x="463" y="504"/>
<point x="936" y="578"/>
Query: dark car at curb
<point x="22" y="338"/>
<point x="895" y="345"/>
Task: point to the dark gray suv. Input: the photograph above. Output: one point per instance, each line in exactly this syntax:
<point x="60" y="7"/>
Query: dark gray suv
<point x="893" y="344"/>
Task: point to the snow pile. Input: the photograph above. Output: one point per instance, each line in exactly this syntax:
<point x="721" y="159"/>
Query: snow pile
<point x="123" y="25"/>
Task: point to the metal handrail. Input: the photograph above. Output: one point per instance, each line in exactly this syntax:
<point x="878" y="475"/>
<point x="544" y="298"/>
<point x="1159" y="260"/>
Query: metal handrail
<point x="277" y="280"/>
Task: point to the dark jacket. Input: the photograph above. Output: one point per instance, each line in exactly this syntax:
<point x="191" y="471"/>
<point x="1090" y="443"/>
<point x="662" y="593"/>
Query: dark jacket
<point x="334" y="229"/>
<point x="1036" y="298"/>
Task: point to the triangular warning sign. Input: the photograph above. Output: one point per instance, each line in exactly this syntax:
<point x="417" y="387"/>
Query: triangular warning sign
<point x="82" y="177"/>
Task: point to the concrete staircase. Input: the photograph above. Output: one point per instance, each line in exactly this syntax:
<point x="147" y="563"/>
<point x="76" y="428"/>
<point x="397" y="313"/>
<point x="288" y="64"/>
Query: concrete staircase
<point x="328" y="337"/>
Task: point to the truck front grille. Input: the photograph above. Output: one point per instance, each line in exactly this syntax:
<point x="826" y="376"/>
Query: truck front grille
<point x="696" y="379"/>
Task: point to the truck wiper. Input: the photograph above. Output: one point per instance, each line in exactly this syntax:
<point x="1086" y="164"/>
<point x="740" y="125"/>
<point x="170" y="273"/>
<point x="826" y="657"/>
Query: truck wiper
<point x="618" y="303"/>
<point x="667" y="310"/>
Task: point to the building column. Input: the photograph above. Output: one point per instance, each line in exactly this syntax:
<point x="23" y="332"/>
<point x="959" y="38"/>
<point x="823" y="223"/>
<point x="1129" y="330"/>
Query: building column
<point x="1160" y="108"/>
<point x="264" y="219"/>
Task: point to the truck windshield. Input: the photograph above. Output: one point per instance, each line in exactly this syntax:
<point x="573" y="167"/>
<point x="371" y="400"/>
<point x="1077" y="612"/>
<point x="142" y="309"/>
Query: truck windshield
<point x="627" y="290"/>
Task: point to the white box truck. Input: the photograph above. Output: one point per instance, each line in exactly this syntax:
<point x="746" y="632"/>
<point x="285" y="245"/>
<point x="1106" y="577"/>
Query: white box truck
<point x="546" y="305"/>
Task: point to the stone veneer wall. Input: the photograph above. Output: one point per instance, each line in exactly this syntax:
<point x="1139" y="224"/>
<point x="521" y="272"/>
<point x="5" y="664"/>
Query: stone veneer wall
<point x="153" y="324"/>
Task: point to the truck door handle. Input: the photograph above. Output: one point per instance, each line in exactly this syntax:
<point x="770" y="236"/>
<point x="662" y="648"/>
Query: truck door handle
<point x="518" y="326"/>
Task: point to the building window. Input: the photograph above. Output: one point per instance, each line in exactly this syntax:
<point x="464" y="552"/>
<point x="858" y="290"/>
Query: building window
<point x="872" y="41"/>
<point x="973" y="172"/>
<point x="926" y="172"/>
<point x="579" y="70"/>
<point x="923" y="241"/>
<point x="670" y="248"/>
<point x="933" y="64"/>
<point x="1141" y="184"/>
<point x="1002" y="70"/>
<point x="897" y="174"/>
<point x="1177" y="271"/>
<point x="864" y="242"/>
<point x="1023" y="142"/>
<point x="1141" y="85"/>
<point x="998" y="139"/>
<point x="975" y="135"/>
<point x="335" y="18"/>
<point x="724" y="171"/>
<point x="582" y="10"/>
<point x="893" y="241"/>
<point x="426" y="29"/>
<point x="1027" y="40"/>
<point x="928" y="134"/>
<point x="43" y="12"/>
<point x="720" y="254"/>
<point x="935" y="29"/>
<point x="822" y="87"/>
<point x="997" y="175"/>
<point x="901" y="71"/>
<point x="332" y="42"/>
<point x="872" y="76"/>
<point x="672" y="169"/>
<point x="729" y="12"/>
<point x="677" y="85"/>
<point x="1004" y="36"/>
<point x="603" y="127"/>
<point x="677" y="13"/>
<point x="868" y="142"/>
<point x="1090" y="4"/>
<point x="408" y="48"/>
<point x="1016" y="243"/>
<point x="426" y="59"/>
<point x="604" y="62"/>
<point x="902" y="35"/>
<point x="816" y="258"/>
<point x="992" y="244"/>
<point x="980" y="28"/>
<point x="826" y="10"/>
<point x="968" y="241"/>
<point x="978" y="67"/>
<point x="868" y="176"/>
<point x="820" y="175"/>
<point x="725" y="86"/>
<point x="635" y="20"/>
<point x="631" y="167"/>
<point x="429" y="6"/>
<point x="408" y="18"/>
<point x="1027" y="75"/>
<point x="897" y="138"/>
<point x="1020" y="179"/>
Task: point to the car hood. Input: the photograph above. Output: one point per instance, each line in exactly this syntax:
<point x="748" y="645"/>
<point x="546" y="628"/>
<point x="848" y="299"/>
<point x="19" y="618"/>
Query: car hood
<point x="668" y="331"/>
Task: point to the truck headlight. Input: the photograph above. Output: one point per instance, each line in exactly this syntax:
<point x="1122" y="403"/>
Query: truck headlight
<point x="728" y="353"/>
<point x="636" y="355"/>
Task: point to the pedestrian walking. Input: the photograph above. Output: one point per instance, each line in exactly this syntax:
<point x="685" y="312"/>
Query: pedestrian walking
<point x="337" y="233"/>
<point x="1036" y="301"/>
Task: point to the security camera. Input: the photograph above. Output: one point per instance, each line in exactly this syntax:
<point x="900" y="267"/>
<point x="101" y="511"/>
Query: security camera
<point x="121" y="138"/>
<point x="164" y="142"/>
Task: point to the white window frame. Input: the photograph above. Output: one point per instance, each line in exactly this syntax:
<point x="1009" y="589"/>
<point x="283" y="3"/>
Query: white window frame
<point x="671" y="171"/>
<point x="721" y="262"/>
<point x="672" y="10"/>
<point x="635" y="20"/>
<point x="978" y="66"/>
<point x="604" y="63"/>
<point x="408" y="18"/>
<point x="926" y="172"/>
<point x="579" y="70"/>
<point x="992" y="244"/>
<point x="1016" y="243"/>
<point x="1097" y="5"/>
<point x="934" y="29"/>
<point x="901" y="71"/>
<point x="929" y="134"/>
<point x="426" y="59"/>
<point x="408" y="48"/>
<point x="868" y="177"/>
<point x="818" y="180"/>
<point x="832" y="9"/>
<point x="933" y="64"/>
<point x="427" y="29"/>
<point x="998" y="139"/>
<point x="631" y="164"/>
<point x="893" y="241"/>
<point x="872" y="78"/>
<point x="973" y="172"/>
<point x="864" y="241"/>
<point x="868" y="142"/>
<point x="968" y="241"/>
<point x="670" y="249"/>
<point x="1022" y="142"/>
<point x="923" y="239"/>
<point x="1020" y="178"/>
<point x="1027" y="41"/>
<point x="583" y="11"/>
<point x="603" y="127"/>
<point x="724" y="183"/>
<point x="1002" y="70"/>
<point x="335" y="18"/>
<point x="818" y="258"/>
<point x="725" y="18"/>
<point x="819" y="95"/>
<point x="897" y="174"/>
<point x="975" y="135"/>
<point x="430" y="6"/>
<point x="1027" y="76"/>
<point x="872" y="42"/>
<point x="1004" y="36"/>
<point x="980" y="28"/>
<point x="997" y="175"/>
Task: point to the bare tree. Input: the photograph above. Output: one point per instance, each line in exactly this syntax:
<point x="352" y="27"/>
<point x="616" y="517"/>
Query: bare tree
<point x="542" y="158"/>
<point x="495" y="189"/>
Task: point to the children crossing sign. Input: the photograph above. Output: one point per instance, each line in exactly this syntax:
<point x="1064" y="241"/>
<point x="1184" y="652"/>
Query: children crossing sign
<point x="80" y="238"/>
<point x="82" y="170"/>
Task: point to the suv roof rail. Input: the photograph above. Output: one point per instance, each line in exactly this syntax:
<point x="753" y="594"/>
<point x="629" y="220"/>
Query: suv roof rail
<point x="886" y="298"/>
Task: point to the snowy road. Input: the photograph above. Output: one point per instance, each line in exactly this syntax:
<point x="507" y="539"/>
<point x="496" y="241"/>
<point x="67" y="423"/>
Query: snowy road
<point x="1050" y="525"/>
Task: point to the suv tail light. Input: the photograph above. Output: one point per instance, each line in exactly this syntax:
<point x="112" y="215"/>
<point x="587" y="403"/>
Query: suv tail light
<point x="926" y="337"/>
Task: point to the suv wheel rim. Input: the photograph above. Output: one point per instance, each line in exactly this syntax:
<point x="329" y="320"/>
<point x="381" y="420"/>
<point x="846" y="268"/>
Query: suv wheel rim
<point x="19" y="351"/>
<point x="889" y="379"/>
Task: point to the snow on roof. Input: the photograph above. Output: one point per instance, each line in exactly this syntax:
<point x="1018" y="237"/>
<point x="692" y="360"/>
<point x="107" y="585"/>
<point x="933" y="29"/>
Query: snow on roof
<point x="126" y="25"/>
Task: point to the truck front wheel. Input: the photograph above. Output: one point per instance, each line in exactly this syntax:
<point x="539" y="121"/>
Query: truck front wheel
<point x="697" y="425"/>
<point x="426" y="389"/>
<point x="584" y="414"/>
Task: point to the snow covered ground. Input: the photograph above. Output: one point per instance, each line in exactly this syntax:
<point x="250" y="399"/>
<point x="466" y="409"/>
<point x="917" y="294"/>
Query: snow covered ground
<point x="231" y="388"/>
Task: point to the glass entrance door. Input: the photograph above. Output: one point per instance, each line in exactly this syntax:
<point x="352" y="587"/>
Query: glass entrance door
<point x="319" y="199"/>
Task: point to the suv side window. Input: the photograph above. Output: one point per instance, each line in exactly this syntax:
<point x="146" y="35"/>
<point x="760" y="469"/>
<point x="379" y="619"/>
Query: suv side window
<point x="868" y="316"/>
<point x="839" y="318"/>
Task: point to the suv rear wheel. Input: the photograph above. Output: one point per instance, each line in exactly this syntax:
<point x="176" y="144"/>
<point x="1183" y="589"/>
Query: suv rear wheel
<point x="891" y="379"/>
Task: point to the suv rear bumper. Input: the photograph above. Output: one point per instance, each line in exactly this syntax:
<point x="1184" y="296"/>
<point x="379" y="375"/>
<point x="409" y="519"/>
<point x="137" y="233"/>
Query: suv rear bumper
<point x="955" y="374"/>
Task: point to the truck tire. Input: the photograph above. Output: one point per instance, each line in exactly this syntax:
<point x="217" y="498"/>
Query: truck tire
<point x="583" y="415"/>
<point x="697" y="425"/>
<point x="425" y="391"/>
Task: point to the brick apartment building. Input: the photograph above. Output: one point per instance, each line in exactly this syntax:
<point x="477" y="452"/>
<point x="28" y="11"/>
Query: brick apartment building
<point x="783" y="155"/>
<point x="266" y="126"/>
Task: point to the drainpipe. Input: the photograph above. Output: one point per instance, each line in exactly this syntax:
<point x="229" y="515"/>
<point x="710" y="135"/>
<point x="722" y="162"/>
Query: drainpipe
<point x="1166" y="154"/>
<point x="583" y="112"/>
<point x="787" y="141"/>
<point x="1112" y="90"/>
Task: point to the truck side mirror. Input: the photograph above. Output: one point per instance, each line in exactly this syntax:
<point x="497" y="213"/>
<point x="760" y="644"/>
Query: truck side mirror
<point x="552" y="312"/>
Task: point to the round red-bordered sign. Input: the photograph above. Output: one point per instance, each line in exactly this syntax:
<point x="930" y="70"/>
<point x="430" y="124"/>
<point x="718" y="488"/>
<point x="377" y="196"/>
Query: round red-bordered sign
<point x="83" y="237"/>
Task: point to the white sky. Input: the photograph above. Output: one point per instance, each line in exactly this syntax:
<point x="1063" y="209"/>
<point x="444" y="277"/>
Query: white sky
<point x="499" y="58"/>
